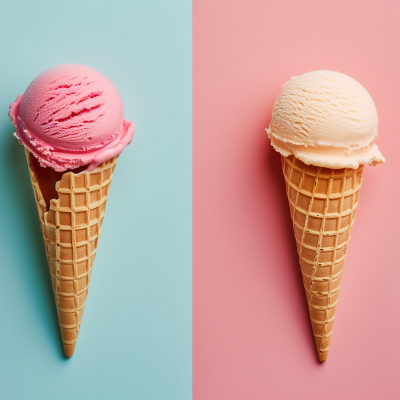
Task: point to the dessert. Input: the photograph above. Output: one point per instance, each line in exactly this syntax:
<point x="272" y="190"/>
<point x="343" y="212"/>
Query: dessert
<point x="70" y="120"/>
<point x="324" y="124"/>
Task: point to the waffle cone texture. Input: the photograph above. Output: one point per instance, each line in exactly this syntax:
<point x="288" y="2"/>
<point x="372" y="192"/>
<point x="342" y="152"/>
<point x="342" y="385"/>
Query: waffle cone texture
<point x="322" y="205"/>
<point x="71" y="210"/>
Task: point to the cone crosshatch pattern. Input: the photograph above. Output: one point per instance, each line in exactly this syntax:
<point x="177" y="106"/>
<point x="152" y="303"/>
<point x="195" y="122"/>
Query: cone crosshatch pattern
<point x="71" y="229"/>
<point x="322" y="204"/>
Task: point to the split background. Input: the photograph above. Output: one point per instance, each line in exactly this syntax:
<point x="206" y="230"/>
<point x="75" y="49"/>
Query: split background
<point x="252" y="337"/>
<point x="251" y="332"/>
<point x="135" y="340"/>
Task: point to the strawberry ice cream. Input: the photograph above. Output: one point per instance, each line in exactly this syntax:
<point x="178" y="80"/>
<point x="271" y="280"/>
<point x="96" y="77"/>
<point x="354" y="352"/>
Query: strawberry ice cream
<point x="71" y="116"/>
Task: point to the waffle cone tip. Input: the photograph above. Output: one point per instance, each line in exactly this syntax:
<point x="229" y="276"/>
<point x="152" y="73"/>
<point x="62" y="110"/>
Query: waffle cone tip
<point x="322" y="356"/>
<point x="69" y="349"/>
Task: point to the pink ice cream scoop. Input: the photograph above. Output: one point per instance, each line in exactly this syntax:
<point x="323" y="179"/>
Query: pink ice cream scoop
<point x="71" y="116"/>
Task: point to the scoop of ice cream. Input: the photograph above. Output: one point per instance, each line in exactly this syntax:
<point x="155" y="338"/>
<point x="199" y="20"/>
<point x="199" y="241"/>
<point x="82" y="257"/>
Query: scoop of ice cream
<point x="327" y="119"/>
<point x="70" y="116"/>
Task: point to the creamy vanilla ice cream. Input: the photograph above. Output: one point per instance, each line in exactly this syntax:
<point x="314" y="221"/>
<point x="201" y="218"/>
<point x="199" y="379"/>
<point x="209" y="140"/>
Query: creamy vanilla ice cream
<point x="327" y="119"/>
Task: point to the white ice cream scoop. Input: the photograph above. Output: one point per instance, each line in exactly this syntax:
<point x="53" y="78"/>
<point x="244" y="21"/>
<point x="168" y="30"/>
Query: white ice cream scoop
<point x="327" y="119"/>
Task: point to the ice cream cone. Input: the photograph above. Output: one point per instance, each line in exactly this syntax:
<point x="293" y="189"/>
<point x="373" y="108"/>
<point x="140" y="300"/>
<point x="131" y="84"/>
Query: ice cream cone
<point x="322" y="204"/>
<point x="71" y="209"/>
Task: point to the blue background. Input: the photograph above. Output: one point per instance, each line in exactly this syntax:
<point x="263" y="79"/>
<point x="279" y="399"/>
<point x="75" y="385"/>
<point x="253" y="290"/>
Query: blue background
<point x="135" y="338"/>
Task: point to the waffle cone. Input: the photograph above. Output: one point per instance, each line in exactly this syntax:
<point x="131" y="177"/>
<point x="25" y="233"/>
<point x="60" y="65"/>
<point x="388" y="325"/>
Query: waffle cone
<point x="71" y="209"/>
<point x="322" y="204"/>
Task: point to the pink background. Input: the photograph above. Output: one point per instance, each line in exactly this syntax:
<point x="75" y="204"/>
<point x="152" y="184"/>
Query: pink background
<point x="252" y="337"/>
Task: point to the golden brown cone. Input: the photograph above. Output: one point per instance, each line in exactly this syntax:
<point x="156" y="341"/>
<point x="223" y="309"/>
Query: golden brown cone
<point x="322" y="204"/>
<point x="71" y="209"/>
